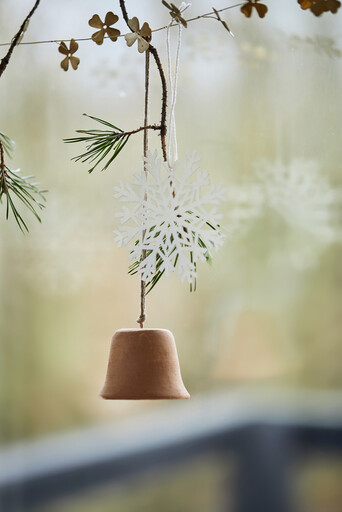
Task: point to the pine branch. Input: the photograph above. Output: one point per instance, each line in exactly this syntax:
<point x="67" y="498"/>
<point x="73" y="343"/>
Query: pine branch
<point x="7" y="144"/>
<point x="21" y="187"/>
<point x="103" y="143"/>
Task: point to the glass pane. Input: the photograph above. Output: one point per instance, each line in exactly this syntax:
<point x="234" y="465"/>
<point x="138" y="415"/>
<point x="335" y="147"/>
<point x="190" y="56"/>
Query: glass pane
<point x="263" y="111"/>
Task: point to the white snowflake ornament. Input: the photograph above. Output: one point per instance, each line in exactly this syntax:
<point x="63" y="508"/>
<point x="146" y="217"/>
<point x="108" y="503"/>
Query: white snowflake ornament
<point x="170" y="217"/>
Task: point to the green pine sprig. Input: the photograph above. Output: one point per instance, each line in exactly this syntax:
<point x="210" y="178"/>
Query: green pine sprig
<point x="15" y="187"/>
<point x="100" y="144"/>
<point x="7" y="144"/>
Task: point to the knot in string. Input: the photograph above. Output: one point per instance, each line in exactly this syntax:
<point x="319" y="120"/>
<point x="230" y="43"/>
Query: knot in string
<point x="141" y="319"/>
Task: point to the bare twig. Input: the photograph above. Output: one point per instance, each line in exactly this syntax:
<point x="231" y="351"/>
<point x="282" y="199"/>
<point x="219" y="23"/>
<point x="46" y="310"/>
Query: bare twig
<point x="153" y="51"/>
<point x="142" y="316"/>
<point x="124" y="12"/>
<point x="144" y="128"/>
<point x="3" y="172"/>
<point x="132" y="132"/>
<point x="163" y="128"/>
<point x="16" y="39"/>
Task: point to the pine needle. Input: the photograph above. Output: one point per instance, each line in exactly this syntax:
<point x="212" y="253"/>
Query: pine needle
<point x="100" y="144"/>
<point x="13" y="186"/>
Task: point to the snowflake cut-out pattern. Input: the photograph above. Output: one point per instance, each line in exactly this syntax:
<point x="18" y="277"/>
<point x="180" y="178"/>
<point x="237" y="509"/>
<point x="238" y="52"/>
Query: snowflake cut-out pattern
<point x="172" y="215"/>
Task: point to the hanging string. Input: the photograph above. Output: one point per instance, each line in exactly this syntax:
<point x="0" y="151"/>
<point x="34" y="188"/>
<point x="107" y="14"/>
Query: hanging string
<point x="172" y="148"/>
<point x="172" y="139"/>
<point x="142" y="316"/>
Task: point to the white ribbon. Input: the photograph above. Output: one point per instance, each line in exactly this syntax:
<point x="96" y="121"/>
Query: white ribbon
<point x="172" y="150"/>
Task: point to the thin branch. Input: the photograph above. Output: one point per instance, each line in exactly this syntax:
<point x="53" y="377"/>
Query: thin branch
<point x="143" y="128"/>
<point x="147" y="86"/>
<point x="3" y="172"/>
<point x="153" y="51"/>
<point x="132" y="132"/>
<point x="213" y="12"/>
<point x="16" y="39"/>
<point x="163" y="128"/>
<point x="57" y="41"/>
<point x="124" y="12"/>
<point x="142" y="316"/>
<point x="101" y="143"/>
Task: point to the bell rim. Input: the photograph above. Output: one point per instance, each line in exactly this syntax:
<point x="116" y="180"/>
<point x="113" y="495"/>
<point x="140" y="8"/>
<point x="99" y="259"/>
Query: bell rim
<point x="178" y="397"/>
<point x="147" y="329"/>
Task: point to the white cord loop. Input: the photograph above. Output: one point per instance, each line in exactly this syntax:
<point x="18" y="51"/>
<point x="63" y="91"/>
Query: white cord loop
<point x="172" y="150"/>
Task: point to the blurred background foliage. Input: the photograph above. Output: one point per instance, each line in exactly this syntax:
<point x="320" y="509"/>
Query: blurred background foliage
<point x="269" y="311"/>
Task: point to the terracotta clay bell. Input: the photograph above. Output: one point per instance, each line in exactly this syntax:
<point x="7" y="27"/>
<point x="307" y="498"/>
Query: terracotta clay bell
<point x="143" y="365"/>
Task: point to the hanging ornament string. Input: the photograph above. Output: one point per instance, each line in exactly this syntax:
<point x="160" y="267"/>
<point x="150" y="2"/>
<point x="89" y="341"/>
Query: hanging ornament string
<point x="142" y="316"/>
<point x="172" y="152"/>
<point x="172" y="148"/>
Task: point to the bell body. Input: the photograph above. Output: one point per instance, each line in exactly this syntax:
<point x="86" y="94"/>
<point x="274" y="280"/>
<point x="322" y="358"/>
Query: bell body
<point x="143" y="365"/>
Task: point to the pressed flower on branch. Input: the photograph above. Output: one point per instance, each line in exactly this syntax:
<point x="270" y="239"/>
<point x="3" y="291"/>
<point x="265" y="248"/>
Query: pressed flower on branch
<point x="318" y="7"/>
<point x="105" y="27"/>
<point x="143" y="35"/>
<point x="69" y="52"/>
<point x="247" y="8"/>
<point x="176" y="13"/>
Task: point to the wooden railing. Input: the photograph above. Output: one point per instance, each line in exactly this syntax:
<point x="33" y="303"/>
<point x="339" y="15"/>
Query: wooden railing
<point x="266" y="432"/>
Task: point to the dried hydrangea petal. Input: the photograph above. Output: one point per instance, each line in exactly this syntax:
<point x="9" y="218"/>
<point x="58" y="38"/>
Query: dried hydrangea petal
<point x="334" y="6"/>
<point x="131" y="38"/>
<point x="95" y="21"/>
<point x="145" y="31"/>
<point x="261" y="9"/>
<point x="65" y="64"/>
<point x="73" y="46"/>
<point x="142" y="45"/>
<point x="246" y="9"/>
<point x="74" y="61"/>
<point x="111" y="18"/>
<point x="63" y="48"/>
<point x="98" y="37"/>
<point x="305" y="4"/>
<point x="113" y="33"/>
<point x="318" y="7"/>
<point x="134" y="24"/>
